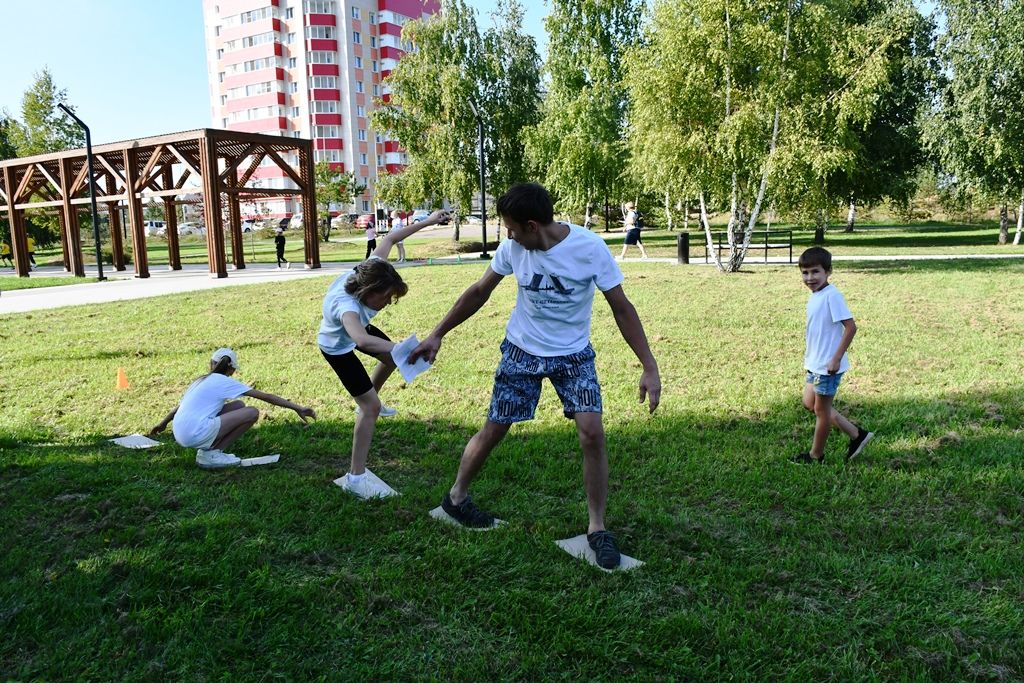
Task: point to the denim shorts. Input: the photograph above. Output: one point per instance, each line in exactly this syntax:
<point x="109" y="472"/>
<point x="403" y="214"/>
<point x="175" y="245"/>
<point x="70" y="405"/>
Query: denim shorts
<point x="824" y="385"/>
<point x="517" y="383"/>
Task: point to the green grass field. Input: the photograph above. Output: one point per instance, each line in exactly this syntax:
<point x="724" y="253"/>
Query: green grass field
<point x="906" y="565"/>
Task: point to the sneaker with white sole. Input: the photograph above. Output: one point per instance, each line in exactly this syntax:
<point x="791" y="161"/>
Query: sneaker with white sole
<point x="366" y="488"/>
<point x="384" y="411"/>
<point x="215" y="459"/>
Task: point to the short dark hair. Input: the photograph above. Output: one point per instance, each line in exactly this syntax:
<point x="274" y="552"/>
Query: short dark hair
<point x="527" y="202"/>
<point x="816" y="256"/>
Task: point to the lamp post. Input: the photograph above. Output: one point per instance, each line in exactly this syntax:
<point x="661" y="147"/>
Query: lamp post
<point x="92" y="188"/>
<point x="483" y="185"/>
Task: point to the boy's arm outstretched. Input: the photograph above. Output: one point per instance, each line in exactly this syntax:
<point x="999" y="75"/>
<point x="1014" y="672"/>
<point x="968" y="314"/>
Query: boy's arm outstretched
<point x="633" y="332"/>
<point x="475" y="296"/>
<point x="396" y="236"/>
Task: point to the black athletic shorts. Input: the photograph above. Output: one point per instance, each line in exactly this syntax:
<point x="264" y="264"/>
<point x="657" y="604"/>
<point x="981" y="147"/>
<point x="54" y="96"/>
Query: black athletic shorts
<point x="350" y="370"/>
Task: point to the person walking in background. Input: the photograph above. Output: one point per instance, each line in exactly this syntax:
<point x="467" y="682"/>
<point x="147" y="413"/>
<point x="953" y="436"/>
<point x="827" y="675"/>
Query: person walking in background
<point x="397" y="223"/>
<point x="31" y="252"/>
<point x="371" y="237"/>
<point x="632" y="225"/>
<point x="5" y="254"/>
<point x="279" y="241"/>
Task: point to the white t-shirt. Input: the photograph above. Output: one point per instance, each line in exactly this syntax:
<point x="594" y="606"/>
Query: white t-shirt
<point x="398" y="224"/>
<point x="826" y="311"/>
<point x="371" y="232"/>
<point x="202" y="403"/>
<point x="333" y="338"/>
<point x="556" y="291"/>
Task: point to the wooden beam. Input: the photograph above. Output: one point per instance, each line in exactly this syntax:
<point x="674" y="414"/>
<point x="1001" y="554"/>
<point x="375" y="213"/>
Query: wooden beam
<point x="24" y="182"/>
<point x="113" y="171"/>
<point x="256" y="161"/>
<point x="80" y="179"/>
<point x="181" y="181"/>
<point x="238" y="160"/>
<point x="286" y="168"/>
<point x="43" y="205"/>
<point x="188" y="163"/>
<point x="148" y="168"/>
<point x="53" y="182"/>
<point x="261" y="191"/>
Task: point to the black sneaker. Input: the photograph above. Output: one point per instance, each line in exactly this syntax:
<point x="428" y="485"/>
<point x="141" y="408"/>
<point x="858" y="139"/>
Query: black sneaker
<point x="603" y="545"/>
<point x="858" y="443"/>
<point x="806" y="459"/>
<point x="467" y="513"/>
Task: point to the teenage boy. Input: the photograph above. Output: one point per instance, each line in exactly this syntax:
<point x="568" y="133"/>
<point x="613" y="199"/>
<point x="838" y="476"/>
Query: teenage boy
<point x="830" y="329"/>
<point x="556" y="268"/>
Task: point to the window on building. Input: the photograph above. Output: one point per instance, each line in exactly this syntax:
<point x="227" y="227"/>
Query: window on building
<point x="323" y="82"/>
<point x="295" y="112"/>
<point x="294" y="87"/>
<point x="359" y="62"/>
<point x="362" y="135"/>
<point x="290" y="39"/>
<point x="359" y="86"/>
<point x="319" y="6"/>
<point x="355" y="12"/>
<point x="380" y="159"/>
<point x="220" y="77"/>
<point x="356" y="38"/>
<point x="373" y="41"/>
<point x="321" y="32"/>
<point x="373" y="68"/>
<point x="220" y="53"/>
<point x="376" y="90"/>
<point x="216" y="30"/>
<point x="373" y="18"/>
<point x="360" y="110"/>
<point x="297" y="134"/>
<point x="291" y="63"/>
<point x="224" y="123"/>
<point x="325" y="131"/>
<point x="366" y="205"/>
<point x="321" y="57"/>
<point x="289" y="13"/>
<point x="378" y="138"/>
<point x="362" y="159"/>
<point x="325" y="107"/>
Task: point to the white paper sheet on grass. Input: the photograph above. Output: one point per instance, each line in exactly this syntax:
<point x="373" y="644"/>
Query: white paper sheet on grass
<point x="135" y="441"/>
<point x="578" y="547"/>
<point x="262" y="460"/>
<point x="374" y="485"/>
<point x="439" y="514"/>
<point x="400" y="354"/>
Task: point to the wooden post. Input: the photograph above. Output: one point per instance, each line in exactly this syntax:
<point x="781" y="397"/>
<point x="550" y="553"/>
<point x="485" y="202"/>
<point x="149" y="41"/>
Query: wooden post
<point x="212" y="205"/>
<point x="138" y="230"/>
<point x="19" y="239"/>
<point x="116" y="244"/>
<point x="235" y="225"/>
<point x="64" y="240"/>
<point x="171" y="223"/>
<point x="72" y="231"/>
<point x="310" y="235"/>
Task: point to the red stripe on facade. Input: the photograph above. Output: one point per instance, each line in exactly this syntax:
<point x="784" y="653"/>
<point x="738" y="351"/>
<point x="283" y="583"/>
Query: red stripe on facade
<point x="323" y="44"/>
<point x="322" y="19"/>
<point x="324" y="94"/>
<point x="389" y="29"/>
<point x="328" y="143"/>
<point x="324" y="69"/>
<point x="273" y="124"/>
<point x="326" y="119"/>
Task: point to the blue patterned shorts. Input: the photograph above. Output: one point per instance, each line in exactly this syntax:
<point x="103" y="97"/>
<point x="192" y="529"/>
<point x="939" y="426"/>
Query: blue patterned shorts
<point x="517" y="383"/>
<point x="824" y="385"/>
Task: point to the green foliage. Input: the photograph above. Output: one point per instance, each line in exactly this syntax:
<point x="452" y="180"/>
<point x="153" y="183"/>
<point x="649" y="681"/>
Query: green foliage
<point x="575" y="149"/>
<point x="976" y="133"/>
<point x="333" y="188"/>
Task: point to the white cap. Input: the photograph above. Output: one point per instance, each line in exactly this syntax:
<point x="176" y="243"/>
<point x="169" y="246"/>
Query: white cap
<point x="221" y="353"/>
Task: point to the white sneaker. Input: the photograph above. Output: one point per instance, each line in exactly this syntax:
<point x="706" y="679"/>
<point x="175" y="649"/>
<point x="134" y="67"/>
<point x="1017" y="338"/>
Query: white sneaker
<point x="215" y="459"/>
<point x="368" y="486"/>
<point x="384" y="411"/>
<point x="288" y="265"/>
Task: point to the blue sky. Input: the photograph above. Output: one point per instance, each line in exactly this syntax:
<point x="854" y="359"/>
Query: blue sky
<point x="132" y="68"/>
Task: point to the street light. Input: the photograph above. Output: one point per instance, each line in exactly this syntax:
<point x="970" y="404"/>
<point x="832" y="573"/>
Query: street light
<point x="92" y="189"/>
<point x="483" y="185"/>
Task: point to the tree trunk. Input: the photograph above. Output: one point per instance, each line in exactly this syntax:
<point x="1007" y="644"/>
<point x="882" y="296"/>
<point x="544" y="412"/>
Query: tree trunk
<point x="1020" y="220"/>
<point x="607" y="216"/>
<point x="458" y="226"/>
<point x="712" y="247"/>
<point x="587" y="219"/>
<point x="1004" y="225"/>
<point x="819" y="229"/>
<point x="686" y="215"/>
<point x="851" y="215"/>
<point x="668" y="212"/>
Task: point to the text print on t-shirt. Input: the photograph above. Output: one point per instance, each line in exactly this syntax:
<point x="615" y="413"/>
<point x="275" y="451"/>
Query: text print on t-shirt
<point x="537" y="285"/>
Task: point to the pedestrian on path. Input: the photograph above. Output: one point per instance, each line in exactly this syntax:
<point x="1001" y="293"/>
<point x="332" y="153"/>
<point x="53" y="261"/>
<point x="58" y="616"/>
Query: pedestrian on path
<point x="279" y="241"/>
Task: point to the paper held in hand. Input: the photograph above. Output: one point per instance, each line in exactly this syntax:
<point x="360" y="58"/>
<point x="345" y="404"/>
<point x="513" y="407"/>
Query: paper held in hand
<point x="400" y="353"/>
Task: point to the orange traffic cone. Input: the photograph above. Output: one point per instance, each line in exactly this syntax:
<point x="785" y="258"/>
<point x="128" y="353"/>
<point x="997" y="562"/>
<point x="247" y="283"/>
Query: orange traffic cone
<point x="122" y="380"/>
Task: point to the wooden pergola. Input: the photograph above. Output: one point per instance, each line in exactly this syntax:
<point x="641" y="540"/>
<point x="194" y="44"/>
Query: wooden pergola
<point x="166" y="167"/>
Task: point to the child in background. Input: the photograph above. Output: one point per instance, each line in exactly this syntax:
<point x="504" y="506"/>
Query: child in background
<point x="5" y="253"/>
<point x="205" y="422"/>
<point x="279" y="241"/>
<point x="31" y="252"/>
<point x="397" y="223"/>
<point x="830" y="330"/>
<point x="351" y="302"/>
<point x="371" y="237"/>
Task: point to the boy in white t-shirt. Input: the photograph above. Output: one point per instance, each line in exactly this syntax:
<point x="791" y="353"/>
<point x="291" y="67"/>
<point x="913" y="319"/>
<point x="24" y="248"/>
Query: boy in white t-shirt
<point x="557" y="268"/>
<point x="830" y="329"/>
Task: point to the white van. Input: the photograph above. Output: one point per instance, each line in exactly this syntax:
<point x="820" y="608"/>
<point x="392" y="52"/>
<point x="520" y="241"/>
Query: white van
<point x="154" y="228"/>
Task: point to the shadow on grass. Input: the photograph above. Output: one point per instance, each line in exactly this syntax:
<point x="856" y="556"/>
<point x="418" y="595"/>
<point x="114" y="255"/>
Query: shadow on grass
<point x="902" y="565"/>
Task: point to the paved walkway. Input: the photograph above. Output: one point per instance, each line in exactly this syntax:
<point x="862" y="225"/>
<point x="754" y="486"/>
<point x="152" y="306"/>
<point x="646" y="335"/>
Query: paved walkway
<point x="124" y="286"/>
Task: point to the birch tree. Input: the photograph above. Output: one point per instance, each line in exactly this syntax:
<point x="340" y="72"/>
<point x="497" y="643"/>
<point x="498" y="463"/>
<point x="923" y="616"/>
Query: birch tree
<point x="740" y="96"/>
<point x="977" y="131"/>
<point x="576" y="149"/>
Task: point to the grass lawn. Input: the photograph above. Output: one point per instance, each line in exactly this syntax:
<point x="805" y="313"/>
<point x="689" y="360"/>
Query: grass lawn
<point x="10" y="282"/>
<point x="122" y="564"/>
<point x="869" y="240"/>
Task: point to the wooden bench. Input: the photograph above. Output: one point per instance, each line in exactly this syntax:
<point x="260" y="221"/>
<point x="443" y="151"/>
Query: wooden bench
<point x="759" y="239"/>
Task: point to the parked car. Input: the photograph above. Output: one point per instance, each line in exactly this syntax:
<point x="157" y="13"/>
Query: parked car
<point x="154" y="227"/>
<point x="295" y="222"/>
<point x="419" y="215"/>
<point x="191" y="229"/>
<point x="249" y="226"/>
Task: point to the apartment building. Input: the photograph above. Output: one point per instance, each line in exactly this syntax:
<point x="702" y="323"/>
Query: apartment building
<point x="310" y="69"/>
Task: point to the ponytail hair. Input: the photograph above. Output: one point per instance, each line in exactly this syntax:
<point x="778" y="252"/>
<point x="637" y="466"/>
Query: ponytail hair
<point x="222" y="366"/>
<point x="376" y="275"/>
